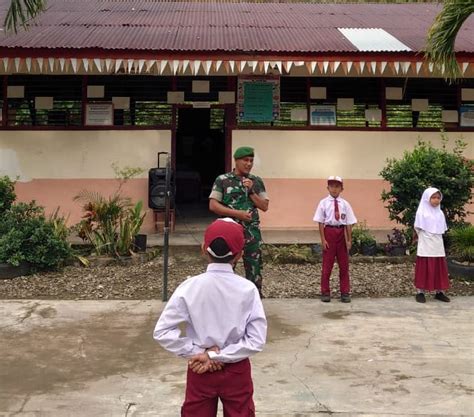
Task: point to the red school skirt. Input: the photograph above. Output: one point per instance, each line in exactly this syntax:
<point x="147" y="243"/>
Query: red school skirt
<point x="431" y="273"/>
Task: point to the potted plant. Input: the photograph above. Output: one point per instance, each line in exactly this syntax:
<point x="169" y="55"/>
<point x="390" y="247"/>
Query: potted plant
<point x="461" y="252"/>
<point x="363" y="241"/>
<point x="397" y="243"/>
<point x="110" y="224"/>
<point x="140" y="242"/>
<point x="130" y="228"/>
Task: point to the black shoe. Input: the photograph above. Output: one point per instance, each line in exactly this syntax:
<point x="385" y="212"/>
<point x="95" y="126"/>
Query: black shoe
<point x="345" y="298"/>
<point x="325" y="298"/>
<point x="441" y="296"/>
<point x="420" y="298"/>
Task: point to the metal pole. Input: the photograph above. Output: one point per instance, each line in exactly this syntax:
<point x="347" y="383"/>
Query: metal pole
<point x="166" y="228"/>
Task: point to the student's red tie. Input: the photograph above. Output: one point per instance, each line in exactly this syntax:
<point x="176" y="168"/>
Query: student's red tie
<point x="336" y="210"/>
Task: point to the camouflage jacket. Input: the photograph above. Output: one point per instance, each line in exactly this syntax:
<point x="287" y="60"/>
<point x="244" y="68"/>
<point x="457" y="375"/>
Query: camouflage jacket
<point x="229" y="190"/>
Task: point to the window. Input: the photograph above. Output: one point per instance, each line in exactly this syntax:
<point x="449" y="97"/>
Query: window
<point x="216" y="84"/>
<point x="66" y="92"/>
<point x="148" y="99"/>
<point x="145" y="102"/>
<point x="364" y="91"/>
<point x="441" y="96"/>
<point x="217" y="119"/>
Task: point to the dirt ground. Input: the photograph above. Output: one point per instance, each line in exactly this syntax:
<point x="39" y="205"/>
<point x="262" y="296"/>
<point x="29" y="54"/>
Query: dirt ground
<point x="145" y="281"/>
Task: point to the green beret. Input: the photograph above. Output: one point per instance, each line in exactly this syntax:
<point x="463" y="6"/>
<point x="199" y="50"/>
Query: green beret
<point x="243" y="151"/>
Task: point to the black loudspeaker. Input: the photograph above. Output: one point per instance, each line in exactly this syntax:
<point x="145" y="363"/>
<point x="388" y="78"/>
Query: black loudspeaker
<point x="157" y="189"/>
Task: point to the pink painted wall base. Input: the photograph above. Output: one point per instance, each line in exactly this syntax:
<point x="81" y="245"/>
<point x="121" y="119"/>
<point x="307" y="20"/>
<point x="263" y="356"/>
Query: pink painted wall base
<point x="292" y="201"/>
<point x="60" y="193"/>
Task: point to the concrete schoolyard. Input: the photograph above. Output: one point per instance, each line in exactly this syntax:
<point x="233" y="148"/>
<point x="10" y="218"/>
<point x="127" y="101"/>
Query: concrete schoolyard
<point x="373" y="357"/>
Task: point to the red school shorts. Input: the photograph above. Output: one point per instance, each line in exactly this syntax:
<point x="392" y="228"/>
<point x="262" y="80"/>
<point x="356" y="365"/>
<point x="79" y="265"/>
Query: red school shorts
<point x="233" y="385"/>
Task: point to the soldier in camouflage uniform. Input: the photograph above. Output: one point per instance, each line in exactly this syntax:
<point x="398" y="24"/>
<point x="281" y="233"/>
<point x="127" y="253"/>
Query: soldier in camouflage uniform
<point x="239" y="194"/>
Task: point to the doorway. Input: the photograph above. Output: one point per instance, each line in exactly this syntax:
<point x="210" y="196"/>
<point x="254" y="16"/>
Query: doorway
<point x="200" y="158"/>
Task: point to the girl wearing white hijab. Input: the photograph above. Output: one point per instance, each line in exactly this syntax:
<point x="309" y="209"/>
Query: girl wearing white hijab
<point x="431" y="271"/>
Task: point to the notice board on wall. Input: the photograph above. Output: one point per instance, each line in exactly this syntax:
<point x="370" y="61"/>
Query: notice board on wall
<point x="99" y="114"/>
<point x="466" y="114"/>
<point x="323" y="115"/>
<point x="258" y="99"/>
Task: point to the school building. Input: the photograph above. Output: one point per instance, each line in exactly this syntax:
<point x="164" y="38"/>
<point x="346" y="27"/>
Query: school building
<point x="316" y="89"/>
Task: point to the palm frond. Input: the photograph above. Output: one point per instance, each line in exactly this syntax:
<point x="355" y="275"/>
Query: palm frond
<point x="442" y="36"/>
<point x="86" y="196"/>
<point x="21" y="11"/>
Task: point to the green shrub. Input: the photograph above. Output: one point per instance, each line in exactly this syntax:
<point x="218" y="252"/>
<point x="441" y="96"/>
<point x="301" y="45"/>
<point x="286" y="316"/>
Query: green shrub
<point x="461" y="243"/>
<point x="288" y="254"/>
<point x="421" y="168"/>
<point x="7" y="193"/>
<point x="361" y="236"/>
<point x="59" y="223"/>
<point x="26" y="235"/>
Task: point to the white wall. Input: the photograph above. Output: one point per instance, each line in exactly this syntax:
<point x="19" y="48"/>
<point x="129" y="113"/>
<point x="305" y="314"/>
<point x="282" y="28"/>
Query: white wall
<point x="80" y="153"/>
<point x="318" y="154"/>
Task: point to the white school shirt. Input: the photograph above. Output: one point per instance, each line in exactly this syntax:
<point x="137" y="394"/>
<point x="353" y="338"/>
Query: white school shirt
<point x="429" y="244"/>
<point x="325" y="212"/>
<point x="219" y="309"/>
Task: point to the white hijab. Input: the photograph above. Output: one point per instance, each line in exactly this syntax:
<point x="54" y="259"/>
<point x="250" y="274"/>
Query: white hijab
<point x="428" y="218"/>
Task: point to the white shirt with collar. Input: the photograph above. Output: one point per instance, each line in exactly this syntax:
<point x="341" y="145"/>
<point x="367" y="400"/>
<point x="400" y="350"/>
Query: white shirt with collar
<point x="325" y="212"/>
<point x="220" y="309"/>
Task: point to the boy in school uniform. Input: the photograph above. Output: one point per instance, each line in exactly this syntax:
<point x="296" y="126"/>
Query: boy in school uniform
<point x="335" y="218"/>
<point x="225" y="325"/>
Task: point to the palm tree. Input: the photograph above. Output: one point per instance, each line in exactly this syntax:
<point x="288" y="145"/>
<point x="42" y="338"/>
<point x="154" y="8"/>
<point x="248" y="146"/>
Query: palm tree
<point x="21" y="11"/>
<point x="442" y="35"/>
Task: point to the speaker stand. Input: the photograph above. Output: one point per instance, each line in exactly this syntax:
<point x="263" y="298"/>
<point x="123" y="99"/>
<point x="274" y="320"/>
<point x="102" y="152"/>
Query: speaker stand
<point x="159" y="220"/>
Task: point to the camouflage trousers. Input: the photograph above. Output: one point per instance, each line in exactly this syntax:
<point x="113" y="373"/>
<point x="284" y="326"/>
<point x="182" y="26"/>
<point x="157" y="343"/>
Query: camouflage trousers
<point x="253" y="255"/>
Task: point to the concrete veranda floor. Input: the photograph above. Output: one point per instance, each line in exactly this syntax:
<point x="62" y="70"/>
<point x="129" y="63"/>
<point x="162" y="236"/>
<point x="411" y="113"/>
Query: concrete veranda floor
<point x="373" y="357"/>
<point x="192" y="220"/>
<point x="191" y="237"/>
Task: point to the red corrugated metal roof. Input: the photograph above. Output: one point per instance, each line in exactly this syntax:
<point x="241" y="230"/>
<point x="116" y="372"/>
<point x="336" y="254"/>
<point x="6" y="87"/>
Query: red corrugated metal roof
<point x="232" y="27"/>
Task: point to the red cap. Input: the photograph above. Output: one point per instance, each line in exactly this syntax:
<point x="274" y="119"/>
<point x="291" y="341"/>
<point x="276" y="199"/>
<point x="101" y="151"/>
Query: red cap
<point x="228" y="230"/>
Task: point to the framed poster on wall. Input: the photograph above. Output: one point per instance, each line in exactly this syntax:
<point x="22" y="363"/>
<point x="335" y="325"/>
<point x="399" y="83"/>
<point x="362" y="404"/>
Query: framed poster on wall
<point x="258" y="99"/>
<point x="99" y="114"/>
<point x="323" y="115"/>
<point x="466" y="116"/>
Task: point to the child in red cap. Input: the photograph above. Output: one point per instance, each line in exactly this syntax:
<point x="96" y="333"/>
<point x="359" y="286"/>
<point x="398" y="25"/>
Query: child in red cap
<point x="335" y="218"/>
<point x="225" y="325"/>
